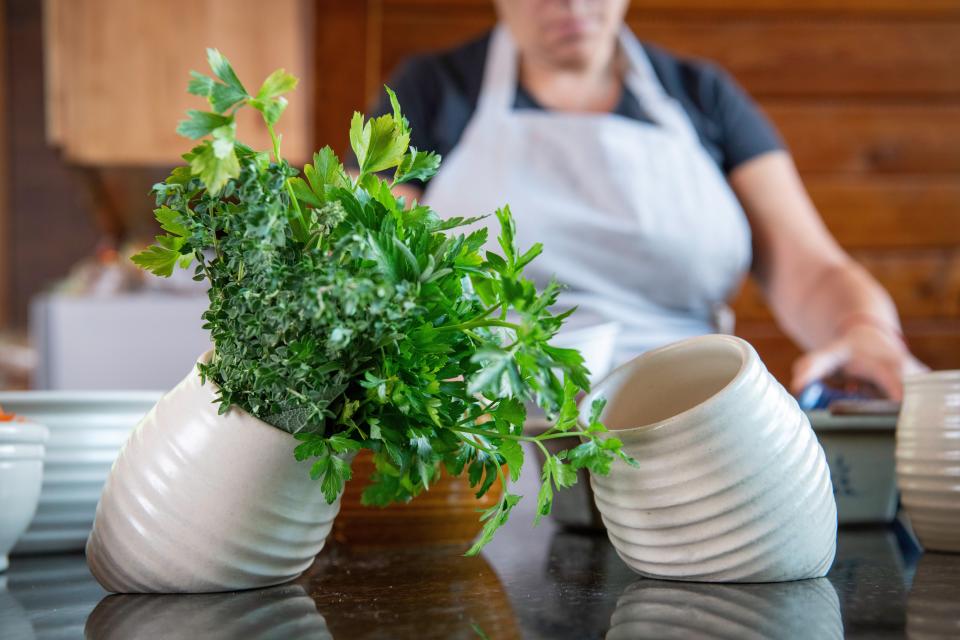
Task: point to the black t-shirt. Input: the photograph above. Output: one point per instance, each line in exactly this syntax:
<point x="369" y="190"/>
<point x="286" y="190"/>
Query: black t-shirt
<point x="438" y="93"/>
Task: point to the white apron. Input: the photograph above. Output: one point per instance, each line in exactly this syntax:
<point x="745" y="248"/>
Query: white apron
<point x="636" y="219"/>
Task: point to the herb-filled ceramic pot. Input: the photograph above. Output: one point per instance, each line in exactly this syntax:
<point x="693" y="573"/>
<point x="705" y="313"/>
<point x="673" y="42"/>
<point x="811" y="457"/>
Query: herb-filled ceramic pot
<point x="200" y="502"/>
<point x="732" y="485"/>
<point x="928" y="458"/>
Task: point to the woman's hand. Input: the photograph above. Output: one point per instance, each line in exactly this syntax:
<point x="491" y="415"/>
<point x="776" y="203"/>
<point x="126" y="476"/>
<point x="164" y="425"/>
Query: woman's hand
<point x="865" y="350"/>
<point x="820" y="297"/>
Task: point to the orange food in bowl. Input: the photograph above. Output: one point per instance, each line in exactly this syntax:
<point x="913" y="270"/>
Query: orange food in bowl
<point x="9" y="417"/>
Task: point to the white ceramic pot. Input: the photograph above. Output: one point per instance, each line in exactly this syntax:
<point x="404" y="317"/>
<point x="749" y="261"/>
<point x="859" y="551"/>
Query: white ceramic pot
<point x="199" y="502"/>
<point x="21" y="475"/>
<point x="87" y="429"/>
<point x="732" y="485"/>
<point x="928" y="458"/>
<point x="664" y="610"/>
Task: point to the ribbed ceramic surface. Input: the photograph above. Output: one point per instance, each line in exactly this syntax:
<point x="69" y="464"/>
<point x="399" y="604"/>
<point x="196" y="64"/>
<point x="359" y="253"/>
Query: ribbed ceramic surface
<point x="734" y="489"/>
<point x="665" y="610"/>
<point x="87" y="430"/>
<point x="928" y="458"/>
<point x="278" y="612"/>
<point x="199" y="502"/>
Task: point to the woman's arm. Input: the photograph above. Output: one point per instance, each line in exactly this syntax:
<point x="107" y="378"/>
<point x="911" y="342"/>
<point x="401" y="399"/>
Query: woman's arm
<point x="824" y="300"/>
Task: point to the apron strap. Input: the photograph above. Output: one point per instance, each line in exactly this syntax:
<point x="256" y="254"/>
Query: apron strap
<point x="500" y="74"/>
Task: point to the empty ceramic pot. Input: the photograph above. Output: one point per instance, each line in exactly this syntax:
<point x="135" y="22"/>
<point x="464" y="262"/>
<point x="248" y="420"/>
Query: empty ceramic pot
<point x="655" y="609"/>
<point x="200" y="502"/>
<point x="928" y="458"/>
<point x="732" y="485"/>
<point x="21" y="475"/>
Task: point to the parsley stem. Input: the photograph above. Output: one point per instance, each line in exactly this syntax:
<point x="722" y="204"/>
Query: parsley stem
<point x="300" y="225"/>
<point x="476" y="324"/>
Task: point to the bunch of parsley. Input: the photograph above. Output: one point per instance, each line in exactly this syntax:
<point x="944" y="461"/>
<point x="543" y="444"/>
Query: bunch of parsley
<point x="351" y="319"/>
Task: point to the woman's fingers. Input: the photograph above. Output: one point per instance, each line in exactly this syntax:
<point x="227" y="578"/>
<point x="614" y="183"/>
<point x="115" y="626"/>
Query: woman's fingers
<point x="814" y="365"/>
<point x="861" y="354"/>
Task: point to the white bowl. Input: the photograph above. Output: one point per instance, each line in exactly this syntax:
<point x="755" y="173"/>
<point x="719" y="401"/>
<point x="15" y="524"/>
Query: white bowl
<point x="21" y="472"/>
<point x="87" y="430"/>
<point x="596" y="343"/>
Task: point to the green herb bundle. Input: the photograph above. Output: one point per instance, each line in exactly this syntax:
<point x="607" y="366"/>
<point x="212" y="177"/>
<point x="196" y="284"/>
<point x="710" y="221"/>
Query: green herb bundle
<point x="351" y="319"/>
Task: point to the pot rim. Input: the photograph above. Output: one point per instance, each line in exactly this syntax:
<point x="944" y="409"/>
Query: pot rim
<point x="55" y="399"/>
<point x="23" y="432"/>
<point x="946" y="376"/>
<point x="743" y="348"/>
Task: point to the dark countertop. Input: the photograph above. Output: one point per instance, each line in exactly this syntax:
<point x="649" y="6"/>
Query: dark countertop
<point x="543" y="583"/>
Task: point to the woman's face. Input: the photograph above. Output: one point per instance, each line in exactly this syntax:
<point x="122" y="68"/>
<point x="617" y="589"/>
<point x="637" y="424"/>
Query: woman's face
<point x="566" y="34"/>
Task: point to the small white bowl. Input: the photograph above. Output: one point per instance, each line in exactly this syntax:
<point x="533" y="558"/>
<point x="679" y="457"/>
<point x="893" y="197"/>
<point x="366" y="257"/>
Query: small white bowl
<point x="21" y="474"/>
<point x="87" y="429"/>
<point x="596" y="343"/>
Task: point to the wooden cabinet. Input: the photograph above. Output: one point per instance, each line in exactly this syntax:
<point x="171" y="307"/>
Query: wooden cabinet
<point x="117" y="71"/>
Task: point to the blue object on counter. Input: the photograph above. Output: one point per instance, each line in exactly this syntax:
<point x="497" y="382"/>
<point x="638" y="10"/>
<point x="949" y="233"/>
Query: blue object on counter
<point x="822" y="393"/>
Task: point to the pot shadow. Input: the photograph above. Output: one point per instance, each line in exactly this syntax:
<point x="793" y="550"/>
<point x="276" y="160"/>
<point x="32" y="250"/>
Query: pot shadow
<point x="284" y="611"/>
<point x="933" y="608"/>
<point x="14" y="621"/>
<point x="422" y="592"/>
<point x="57" y="593"/>
<point x="663" y="609"/>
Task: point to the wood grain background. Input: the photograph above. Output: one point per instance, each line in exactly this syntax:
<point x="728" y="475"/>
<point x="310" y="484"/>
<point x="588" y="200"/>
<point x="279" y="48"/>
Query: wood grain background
<point x="865" y="92"/>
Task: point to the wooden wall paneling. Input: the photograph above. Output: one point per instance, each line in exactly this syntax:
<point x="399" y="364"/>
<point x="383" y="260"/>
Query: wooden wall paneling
<point x="825" y="57"/>
<point x="870" y="137"/>
<point x="770" y="57"/>
<point x="346" y="59"/>
<point x="4" y="175"/>
<point x="890" y="212"/>
<point x="923" y="283"/>
<point x="776" y="8"/>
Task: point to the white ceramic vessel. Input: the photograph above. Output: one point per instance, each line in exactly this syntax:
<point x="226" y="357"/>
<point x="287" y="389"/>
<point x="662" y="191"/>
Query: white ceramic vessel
<point x="199" y="502"/>
<point x="665" y="610"/>
<point x="21" y="474"/>
<point x="732" y="485"/>
<point x="87" y="430"/>
<point x="928" y="458"/>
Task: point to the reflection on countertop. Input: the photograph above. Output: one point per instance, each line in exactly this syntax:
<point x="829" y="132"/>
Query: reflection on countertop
<point x="571" y="586"/>
<point x="285" y="611"/>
